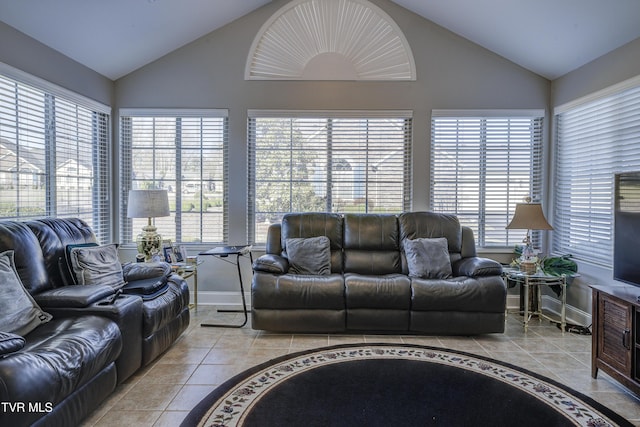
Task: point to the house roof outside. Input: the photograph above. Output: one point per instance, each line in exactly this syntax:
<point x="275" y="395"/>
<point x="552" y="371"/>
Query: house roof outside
<point x="34" y="159"/>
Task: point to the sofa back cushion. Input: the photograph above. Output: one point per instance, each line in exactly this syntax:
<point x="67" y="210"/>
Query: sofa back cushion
<point x="29" y="261"/>
<point x="416" y="225"/>
<point x="371" y="244"/>
<point x="305" y="225"/>
<point x="54" y="235"/>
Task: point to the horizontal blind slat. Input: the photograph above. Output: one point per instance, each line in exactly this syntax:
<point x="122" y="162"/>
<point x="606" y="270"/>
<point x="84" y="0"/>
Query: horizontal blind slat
<point x="478" y="165"/>
<point x="185" y="152"/>
<point x="326" y="161"/>
<point x="593" y="140"/>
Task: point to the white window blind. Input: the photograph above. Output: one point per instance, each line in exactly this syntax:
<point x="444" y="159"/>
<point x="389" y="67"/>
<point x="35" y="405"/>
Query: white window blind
<point x="54" y="154"/>
<point x="594" y="140"/>
<point x="327" y="162"/>
<point x="184" y="152"/>
<point x="482" y="164"/>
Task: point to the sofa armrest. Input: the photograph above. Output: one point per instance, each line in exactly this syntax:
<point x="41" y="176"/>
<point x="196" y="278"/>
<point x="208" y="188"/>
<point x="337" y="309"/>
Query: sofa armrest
<point x="271" y="263"/>
<point x="73" y="296"/>
<point x="144" y="270"/>
<point x="476" y="266"/>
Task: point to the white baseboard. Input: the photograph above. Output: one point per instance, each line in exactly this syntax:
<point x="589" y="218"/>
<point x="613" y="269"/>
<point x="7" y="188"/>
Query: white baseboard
<point x="513" y="302"/>
<point x="223" y="300"/>
<point x="574" y="315"/>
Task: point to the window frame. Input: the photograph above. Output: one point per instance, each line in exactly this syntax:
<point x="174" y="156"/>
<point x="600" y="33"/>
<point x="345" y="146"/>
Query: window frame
<point x="127" y="231"/>
<point x="69" y="122"/>
<point x="477" y="219"/>
<point x="334" y="136"/>
<point x="608" y="147"/>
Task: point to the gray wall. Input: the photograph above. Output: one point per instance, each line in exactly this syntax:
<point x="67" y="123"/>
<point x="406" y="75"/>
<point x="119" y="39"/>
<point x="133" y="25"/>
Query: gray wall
<point x="209" y="73"/>
<point x="614" y="67"/>
<point x="610" y="69"/>
<point x="28" y="55"/>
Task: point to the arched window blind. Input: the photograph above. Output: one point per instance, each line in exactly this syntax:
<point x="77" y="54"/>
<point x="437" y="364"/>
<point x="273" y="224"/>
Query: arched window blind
<point x="482" y="164"/>
<point x="595" y="138"/>
<point x="331" y="161"/>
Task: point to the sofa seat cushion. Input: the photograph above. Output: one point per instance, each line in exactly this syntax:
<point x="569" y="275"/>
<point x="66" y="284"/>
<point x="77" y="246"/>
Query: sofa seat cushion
<point x="485" y="294"/>
<point x="293" y="291"/>
<point x="60" y="356"/>
<point x="390" y="291"/>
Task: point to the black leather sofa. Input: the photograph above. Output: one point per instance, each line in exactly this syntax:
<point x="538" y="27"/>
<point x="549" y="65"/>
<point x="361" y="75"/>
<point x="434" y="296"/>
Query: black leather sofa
<point x="370" y="286"/>
<point x="58" y="373"/>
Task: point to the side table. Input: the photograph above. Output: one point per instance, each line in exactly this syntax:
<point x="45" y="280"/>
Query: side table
<point x="223" y="252"/>
<point x="536" y="280"/>
<point x="186" y="270"/>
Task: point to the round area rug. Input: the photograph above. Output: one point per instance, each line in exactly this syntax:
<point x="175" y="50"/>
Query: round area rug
<point x="398" y="385"/>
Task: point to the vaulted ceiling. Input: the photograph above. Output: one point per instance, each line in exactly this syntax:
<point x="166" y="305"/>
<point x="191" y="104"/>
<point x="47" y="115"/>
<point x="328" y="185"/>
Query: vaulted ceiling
<point x="115" y="37"/>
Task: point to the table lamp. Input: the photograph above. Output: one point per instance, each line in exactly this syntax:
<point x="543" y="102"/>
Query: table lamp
<point x="148" y="204"/>
<point x="528" y="216"/>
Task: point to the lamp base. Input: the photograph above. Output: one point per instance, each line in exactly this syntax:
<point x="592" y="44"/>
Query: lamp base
<point x="528" y="267"/>
<point x="149" y="242"/>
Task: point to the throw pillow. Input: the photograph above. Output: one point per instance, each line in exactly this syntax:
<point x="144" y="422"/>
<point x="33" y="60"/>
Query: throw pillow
<point x="309" y="255"/>
<point x="10" y="343"/>
<point x="19" y="313"/>
<point x="66" y="269"/>
<point x="428" y="258"/>
<point x="97" y="265"/>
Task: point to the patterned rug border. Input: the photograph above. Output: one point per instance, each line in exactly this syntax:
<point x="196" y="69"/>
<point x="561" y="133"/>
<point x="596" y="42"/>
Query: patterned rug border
<point x="228" y="403"/>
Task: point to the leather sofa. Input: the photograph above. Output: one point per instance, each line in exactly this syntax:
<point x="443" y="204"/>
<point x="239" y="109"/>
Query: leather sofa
<point x="371" y="286"/>
<point x="97" y="337"/>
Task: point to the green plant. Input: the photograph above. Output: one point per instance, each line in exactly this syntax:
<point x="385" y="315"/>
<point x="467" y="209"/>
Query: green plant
<point x="559" y="265"/>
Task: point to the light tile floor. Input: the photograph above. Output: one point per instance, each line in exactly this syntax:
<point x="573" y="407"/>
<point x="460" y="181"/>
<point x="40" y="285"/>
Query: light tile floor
<point x="163" y="393"/>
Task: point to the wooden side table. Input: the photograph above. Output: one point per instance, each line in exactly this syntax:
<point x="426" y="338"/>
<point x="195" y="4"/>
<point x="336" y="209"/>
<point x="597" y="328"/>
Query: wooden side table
<point x="530" y="281"/>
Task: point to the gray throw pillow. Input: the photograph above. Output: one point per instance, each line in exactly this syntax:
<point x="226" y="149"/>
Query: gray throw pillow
<point x="97" y="265"/>
<point x="19" y="313"/>
<point x="428" y="258"/>
<point x="309" y="255"/>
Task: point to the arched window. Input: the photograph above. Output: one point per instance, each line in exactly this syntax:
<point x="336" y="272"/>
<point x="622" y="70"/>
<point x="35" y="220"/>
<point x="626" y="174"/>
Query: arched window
<point x="330" y="40"/>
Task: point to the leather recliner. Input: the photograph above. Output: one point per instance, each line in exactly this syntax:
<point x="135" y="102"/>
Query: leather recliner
<point x="369" y="288"/>
<point x="96" y="338"/>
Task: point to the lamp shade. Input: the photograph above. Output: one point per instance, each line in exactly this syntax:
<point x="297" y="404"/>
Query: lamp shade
<point x="529" y="216"/>
<point x="148" y="204"/>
